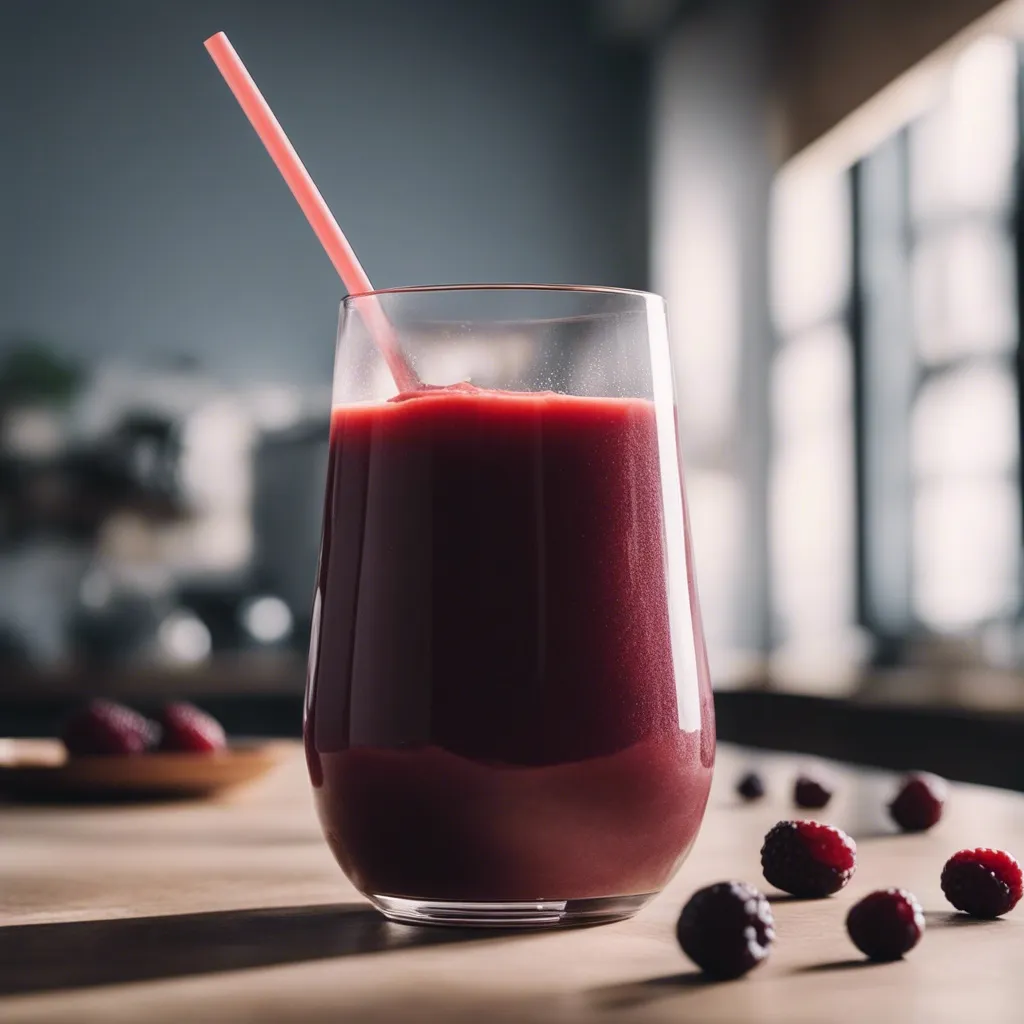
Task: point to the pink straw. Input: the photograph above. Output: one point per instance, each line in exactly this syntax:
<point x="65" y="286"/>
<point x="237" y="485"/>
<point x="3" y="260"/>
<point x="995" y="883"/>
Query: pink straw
<point x="282" y="152"/>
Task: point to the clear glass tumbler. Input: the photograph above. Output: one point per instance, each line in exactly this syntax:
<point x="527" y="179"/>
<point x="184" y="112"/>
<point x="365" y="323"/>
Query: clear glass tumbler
<point x="508" y="714"/>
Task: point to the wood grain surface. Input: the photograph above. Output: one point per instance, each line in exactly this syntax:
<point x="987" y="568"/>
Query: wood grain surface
<point x="40" y="770"/>
<point x="233" y="910"/>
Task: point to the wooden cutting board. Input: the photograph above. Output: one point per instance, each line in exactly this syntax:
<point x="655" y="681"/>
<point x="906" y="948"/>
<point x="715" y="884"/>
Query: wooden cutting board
<point x="41" y="771"/>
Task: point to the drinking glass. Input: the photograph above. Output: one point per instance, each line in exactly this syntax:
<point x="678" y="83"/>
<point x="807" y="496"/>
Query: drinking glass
<point x="508" y="715"/>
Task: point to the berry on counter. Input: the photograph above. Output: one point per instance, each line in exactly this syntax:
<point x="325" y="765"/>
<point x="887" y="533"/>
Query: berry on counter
<point x="106" y="728"/>
<point x="726" y="929"/>
<point x="886" y="924"/>
<point x="811" y="793"/>
<point x="808" y="859"/>
<point x="187" y="729"/>
<point x="919" y="802"/>
<point x="750" y="786"/>
<point x="982" y="882"/>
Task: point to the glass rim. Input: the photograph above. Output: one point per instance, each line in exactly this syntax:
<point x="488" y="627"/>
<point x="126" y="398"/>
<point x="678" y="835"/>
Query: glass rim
<point x="598" y="289"/>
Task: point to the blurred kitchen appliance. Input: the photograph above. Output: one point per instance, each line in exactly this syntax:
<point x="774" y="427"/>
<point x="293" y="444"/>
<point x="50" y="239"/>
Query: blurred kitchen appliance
<point x="290" y="466"/>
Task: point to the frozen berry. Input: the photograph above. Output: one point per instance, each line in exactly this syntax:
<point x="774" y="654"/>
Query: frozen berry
<point x="189" y="730"/>
<point x="106" y="728"/>
<point x="886" y="924"/>
<point x="726" y="929"/>
<point x="808" y="859"/>
<point x="919" y="802"/>
<point x="811" y="793"/>
<point x="751" y="786"/>
<point x="982" y="883"/>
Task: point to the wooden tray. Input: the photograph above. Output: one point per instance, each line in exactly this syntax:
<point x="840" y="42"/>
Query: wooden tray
<point x="40" y="770"/>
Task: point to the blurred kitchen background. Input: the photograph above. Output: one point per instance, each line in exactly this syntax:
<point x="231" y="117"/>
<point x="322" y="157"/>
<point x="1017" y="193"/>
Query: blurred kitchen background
<point x="828" y="192"/>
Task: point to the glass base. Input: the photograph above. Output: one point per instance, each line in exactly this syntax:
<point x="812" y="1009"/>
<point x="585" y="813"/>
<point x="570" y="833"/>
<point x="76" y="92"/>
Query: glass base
<point x="539" y="914"/>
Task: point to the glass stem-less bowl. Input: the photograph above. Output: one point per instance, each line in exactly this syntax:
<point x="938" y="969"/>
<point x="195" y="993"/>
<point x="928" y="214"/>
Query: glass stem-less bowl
<point x="508" y="714"/>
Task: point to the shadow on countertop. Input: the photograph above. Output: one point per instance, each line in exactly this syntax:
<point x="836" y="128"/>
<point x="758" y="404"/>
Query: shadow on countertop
<point x="78" y="954"/>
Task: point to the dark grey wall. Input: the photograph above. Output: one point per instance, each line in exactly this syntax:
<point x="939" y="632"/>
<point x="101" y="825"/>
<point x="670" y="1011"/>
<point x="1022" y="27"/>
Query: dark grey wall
<point x="456" y="140"/>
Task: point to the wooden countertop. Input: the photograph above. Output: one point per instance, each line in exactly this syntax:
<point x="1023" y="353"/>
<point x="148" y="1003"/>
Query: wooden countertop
<point x="235" y="911"/>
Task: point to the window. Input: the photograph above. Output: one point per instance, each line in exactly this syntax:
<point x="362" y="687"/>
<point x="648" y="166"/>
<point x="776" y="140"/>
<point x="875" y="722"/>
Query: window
<point x="812" y="473"/>
<point x="895" y="496"/>
<point x="964" y="417"/>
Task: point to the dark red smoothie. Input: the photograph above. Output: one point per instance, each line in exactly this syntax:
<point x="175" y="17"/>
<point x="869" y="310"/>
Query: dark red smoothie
<point x="493" y="710"/>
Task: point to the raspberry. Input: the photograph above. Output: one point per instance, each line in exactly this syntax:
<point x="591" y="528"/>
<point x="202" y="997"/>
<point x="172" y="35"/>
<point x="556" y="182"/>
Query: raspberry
<point x="726" y="929"/>
<point x="106" y="728"/>
<point x="918" y="804"/>
<point x="750" y="786"/>
<point x="808" y="859"/>
<point x="189" y="730"/>
<point x="886" y="924"/>
<point x="811" y="793"/>
<point x="982" y="883"/>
